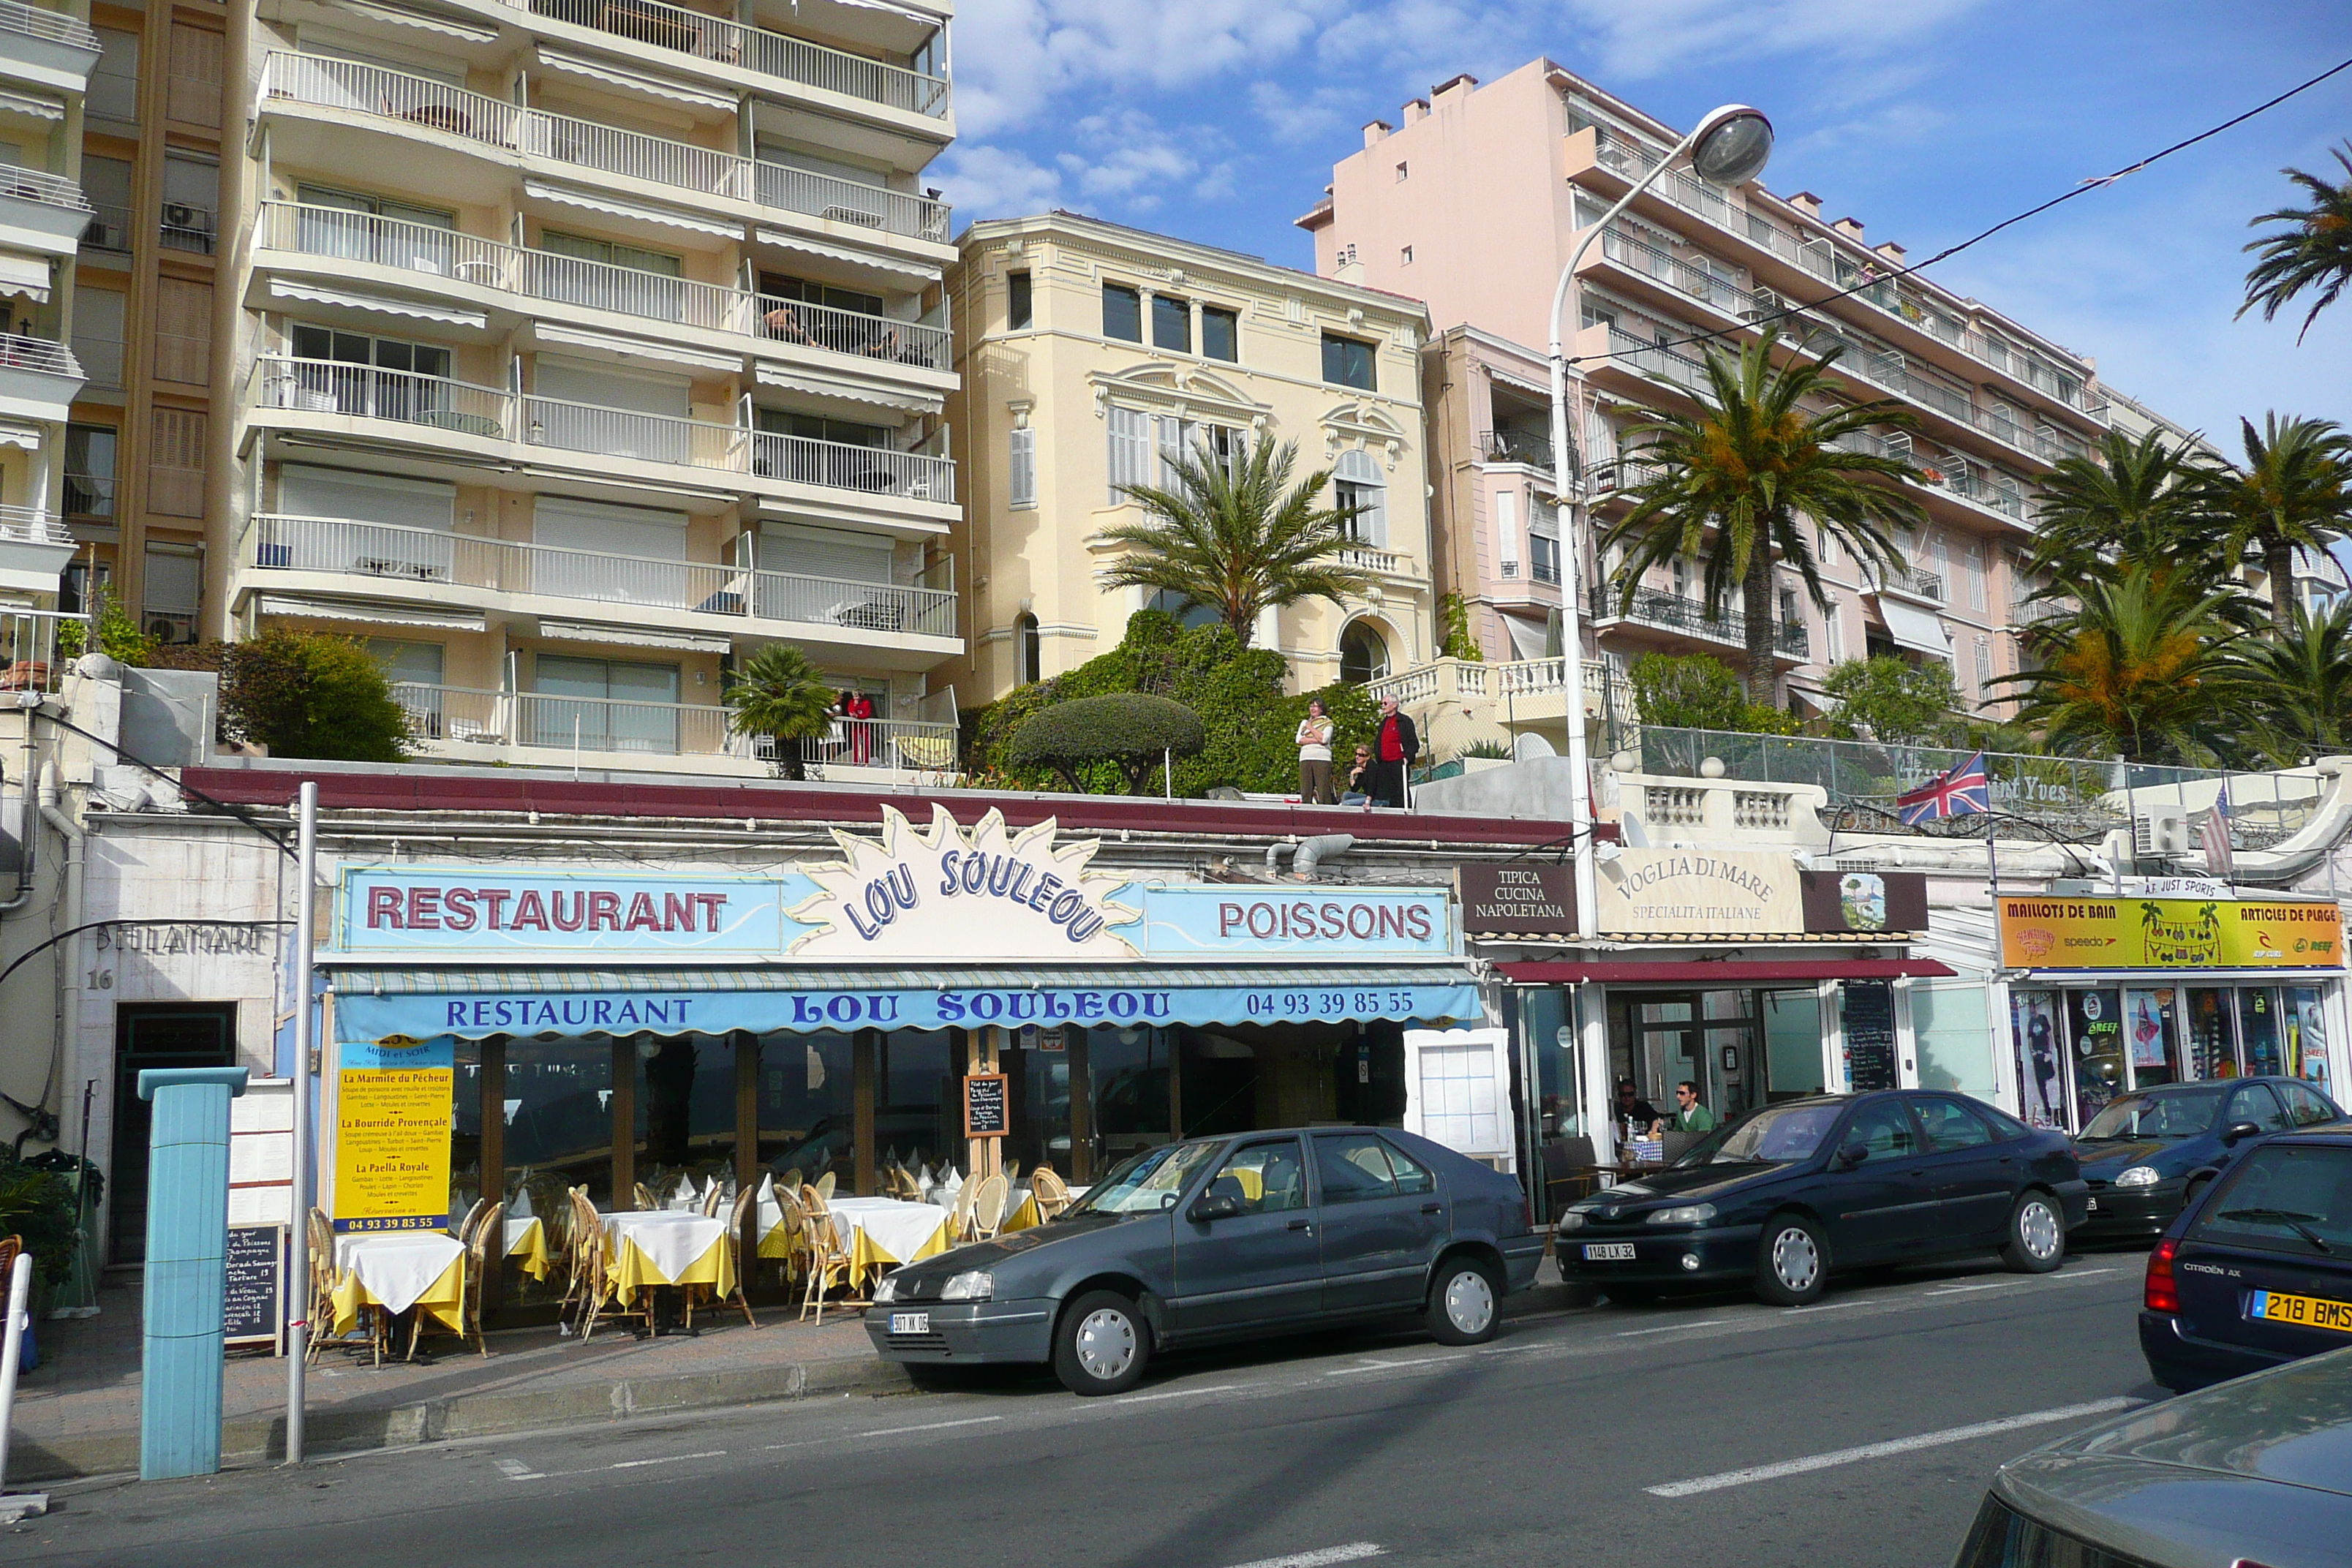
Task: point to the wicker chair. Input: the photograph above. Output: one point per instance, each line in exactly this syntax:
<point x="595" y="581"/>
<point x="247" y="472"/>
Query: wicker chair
<point x="322" y="1281"/>
<point x="486" y="1250"/>
<point x="828" y="1255"/>
<point x="1053" y="1194"/>
<point x="738" y="1217"/>
<point x="824" y="1186"/>
<point x="959" y="1217"/>
<point x="988" y="1208"/>
<point x="473" y="1219"/>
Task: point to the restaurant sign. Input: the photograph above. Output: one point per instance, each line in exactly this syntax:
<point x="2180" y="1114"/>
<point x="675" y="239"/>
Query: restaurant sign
<point x="1517" y="899"/>
<point x="392" y="1099"/>
<point x="2169" y="933"/>
<point x="1661" y="892"/>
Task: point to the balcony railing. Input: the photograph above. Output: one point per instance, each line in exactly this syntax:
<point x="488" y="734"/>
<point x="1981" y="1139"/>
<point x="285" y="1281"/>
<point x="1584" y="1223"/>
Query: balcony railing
<point x="328" y="386"/>
<point x="280" y="543"/>
<point x="420" y="101"/>
<point x="1516" y="446"/>
<point x="1370" y="558"/>
<point x="839" y="465"/>
<point x="109" y="229"/>
<point x="55" y="26"/>
<point x="1926" y="585"/>
<point x="35" y="186"/>
<point x="1672" y="612"/>
<point x="543" y="275"/>
<point x="459" y="717"/>
<point x="1662" y="365"/>
<point x="717" y="40"/>
<point x="90" y="495"/>
<point x="30" y="525"/>
<point x="188" y="227"/>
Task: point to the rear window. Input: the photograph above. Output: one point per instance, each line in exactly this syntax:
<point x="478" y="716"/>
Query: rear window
<point x="2284" y="1198"/>
<point x="2183" y="1114"/>
<point x="2004" y="1538"/>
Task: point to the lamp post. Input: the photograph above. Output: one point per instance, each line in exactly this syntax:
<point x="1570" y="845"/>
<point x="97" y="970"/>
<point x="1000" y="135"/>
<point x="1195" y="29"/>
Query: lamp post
<point x="1729" y="147"/>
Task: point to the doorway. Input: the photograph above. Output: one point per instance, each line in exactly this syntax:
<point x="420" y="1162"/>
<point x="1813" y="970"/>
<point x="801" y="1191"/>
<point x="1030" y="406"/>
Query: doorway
<point x="164" y="1035"/>
<point x="1710" y="1038"/>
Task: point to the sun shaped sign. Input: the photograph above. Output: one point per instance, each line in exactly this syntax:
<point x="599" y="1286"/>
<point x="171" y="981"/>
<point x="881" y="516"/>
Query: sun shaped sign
<point x="949" y="894"/>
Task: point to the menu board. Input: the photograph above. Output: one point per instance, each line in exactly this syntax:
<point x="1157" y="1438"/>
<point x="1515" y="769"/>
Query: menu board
<point x="983" y="1106"/>
<point x="392" y="1135"/>
<point x="1869" y="1036"/>
<point x="254" y="1313"/>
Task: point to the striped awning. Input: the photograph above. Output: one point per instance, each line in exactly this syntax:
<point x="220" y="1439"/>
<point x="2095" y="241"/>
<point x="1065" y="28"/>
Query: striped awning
<point x="413" y="981"/>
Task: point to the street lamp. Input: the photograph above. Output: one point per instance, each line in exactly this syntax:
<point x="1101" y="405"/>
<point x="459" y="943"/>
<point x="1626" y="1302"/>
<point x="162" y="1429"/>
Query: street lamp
<point x="1729" y="147"/>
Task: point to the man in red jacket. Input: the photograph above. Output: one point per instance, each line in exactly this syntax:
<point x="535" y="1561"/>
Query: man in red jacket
<point x="1395" y="743"/>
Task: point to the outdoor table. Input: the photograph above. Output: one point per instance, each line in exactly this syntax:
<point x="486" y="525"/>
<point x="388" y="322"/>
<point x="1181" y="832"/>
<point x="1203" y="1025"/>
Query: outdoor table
<point x="397" y="1271"/>
<point x="1020" y="1210"/>
<point x="526" y="1238"/>
<point x="881" y="1233"/>
<point x="663" y="1246"/>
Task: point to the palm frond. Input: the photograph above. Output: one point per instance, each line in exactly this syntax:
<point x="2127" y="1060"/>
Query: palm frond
<point x="2313" y="252"/>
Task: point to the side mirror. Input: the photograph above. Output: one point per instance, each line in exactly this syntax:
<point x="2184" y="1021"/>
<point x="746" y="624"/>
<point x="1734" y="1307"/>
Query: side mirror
<point x="1852" y="1154"/>
<point x="2238" y="1131"/>
<point x="1216" y="1205"/>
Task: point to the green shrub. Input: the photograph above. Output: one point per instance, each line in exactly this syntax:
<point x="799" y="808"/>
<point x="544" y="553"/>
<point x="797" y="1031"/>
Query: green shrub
<point x="309" y="694"/>
<point x="1691" y="691"/>
<point x="1455" y="640"/>
<point x="1130" y="731"/>
<point x="1892" y="701"/>
<point x="1762" y="718"/>
<point x="38" y="1206"/>
<point x="118" y="636"/>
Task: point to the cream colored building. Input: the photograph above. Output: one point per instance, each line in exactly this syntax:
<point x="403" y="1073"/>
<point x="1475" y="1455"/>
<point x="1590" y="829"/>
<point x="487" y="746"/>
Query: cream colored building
<point x="1087" y="352"/>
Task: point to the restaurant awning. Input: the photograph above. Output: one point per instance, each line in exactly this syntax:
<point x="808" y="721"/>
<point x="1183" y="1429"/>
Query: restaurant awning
<point x="371" y="1004"/>
<point x="1703" y="975"/>
<point x="1914" y="628"/>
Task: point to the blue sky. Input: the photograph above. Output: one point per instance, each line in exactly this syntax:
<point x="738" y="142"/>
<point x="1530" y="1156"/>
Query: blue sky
<point x="1218" y="120"/>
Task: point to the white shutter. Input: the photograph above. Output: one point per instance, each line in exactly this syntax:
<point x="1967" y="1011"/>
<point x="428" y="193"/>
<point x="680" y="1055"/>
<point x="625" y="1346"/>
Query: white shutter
<point x="1507" y="533"/>
<point x="307" y="491"/>
<point x="1360" y="470"/>
<point x="1131" y="450"/>
<point x="603" y="530"/>
<point x="1024" y="471"/>
<point x="1976" y="572"/>
<point x="601" y="387"/>
<point x="824" y="552"/>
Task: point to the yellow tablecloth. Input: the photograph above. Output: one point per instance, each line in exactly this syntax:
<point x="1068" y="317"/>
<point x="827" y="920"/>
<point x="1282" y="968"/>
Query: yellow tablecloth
<point x="527" y="1240"/>
<point x="1024" y="1216"/>
<point x="445" y="1300"/>
<point x="880" y="1232"/>
<point x="632" y="1270"/>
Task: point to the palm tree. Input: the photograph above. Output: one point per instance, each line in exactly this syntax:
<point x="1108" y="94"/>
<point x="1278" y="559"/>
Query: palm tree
<point x="2135" y="502"/>
<point x="2302" y="684"/>
<point x="2315" y="251"/>
<point x="2293" y="493"/>
<point x="2141" y="666"/>
<point x="1237" y="536"/>
<point x="1734" y="477"/>
<point x="779" y="692"/>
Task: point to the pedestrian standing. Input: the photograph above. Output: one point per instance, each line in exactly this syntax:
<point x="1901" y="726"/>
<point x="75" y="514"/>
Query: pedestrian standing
<point x="1394" y="745"/>
<point x="1315" y="733"/>
<point x="860" y="712"/>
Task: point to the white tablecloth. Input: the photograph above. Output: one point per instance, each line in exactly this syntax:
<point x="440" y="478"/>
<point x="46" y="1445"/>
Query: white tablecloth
<point x="895" y="1226"/>
<point x="672" y="1242"/>
<point x="397" y="1267"/>
<point x="518" y="1234"/>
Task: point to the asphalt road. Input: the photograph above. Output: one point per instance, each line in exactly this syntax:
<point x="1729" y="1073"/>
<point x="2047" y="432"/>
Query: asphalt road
<point x="1711" y="1431"/>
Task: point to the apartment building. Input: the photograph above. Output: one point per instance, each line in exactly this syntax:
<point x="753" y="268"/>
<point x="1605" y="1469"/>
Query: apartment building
<point x="1538" y="156"/>
<point x="568" y="351"/>
<point x="1091" y="353"/>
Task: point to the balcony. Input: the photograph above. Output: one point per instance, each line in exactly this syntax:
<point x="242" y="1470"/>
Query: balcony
<point x="40" y="212"/>
<point x="34" y="548"/>
<point x="719" y="41"/>
<point x="1523" y="447"/>
<point x="38" y="379"/>
<point x="315" y="556"/>
<point x="419" y="106"/>
<point x="1688" y="618"/>
<point x="761" y="325"/>
<point x="186" y="225"/>
<point x="108" y="230"/>
<point x="46" y="48"/>
<point x="1372" y="560"/>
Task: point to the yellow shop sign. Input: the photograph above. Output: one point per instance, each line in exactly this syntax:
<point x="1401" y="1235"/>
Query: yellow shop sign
<point x="2169" y="933"/>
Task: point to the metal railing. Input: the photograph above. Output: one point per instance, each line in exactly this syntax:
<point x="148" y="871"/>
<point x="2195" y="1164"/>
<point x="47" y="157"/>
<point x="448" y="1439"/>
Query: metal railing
<point x="1662" y="365"/>
<point x="186" y="226"/>
<point x="88" y="495"/>
<point x="284" y="542"/>
<point x="367" y="90"/>
<point x="458" y="717"/>
<point x="29" y="659"/>
<point x="1516" y="446"/>
<point x="37" y="186"/>
<point x="368" y="392"/>
<point x="840" y="465"/>
<point x="778" y="55"/>
<point x="108" y="230"/>
<point x="1672" y="612"/>
<point x="40" y="355"/>
<point x="31" y="525"/>
<point x="56" y="27"/>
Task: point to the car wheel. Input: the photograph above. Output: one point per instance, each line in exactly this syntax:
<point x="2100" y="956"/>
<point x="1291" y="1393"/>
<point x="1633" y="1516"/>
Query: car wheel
<point x="1464" y="1306"/>
<point x="1102" y="1344"/>
<point x="2194" y="1190"/>
<point x="1792" y="1261"/>
<point x="2037" y="1236"/>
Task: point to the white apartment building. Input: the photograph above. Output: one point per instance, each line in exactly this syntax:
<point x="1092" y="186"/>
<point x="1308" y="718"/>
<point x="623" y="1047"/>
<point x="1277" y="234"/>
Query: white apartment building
<point x="574" y="349"/>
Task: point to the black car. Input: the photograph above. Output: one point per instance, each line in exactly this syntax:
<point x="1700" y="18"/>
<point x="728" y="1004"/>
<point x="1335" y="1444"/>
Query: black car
<point x="2148" y="1154"/>
<point x="1786" y="1194"/>
<point x="2258" y="1270"/>
<point x="1218" y="1238"/>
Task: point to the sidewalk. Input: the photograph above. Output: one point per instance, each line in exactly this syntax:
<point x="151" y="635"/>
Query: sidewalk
<point x="79" y="1414"/>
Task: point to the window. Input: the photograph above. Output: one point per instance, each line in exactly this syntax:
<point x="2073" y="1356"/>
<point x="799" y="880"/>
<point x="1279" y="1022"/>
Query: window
<point x="191" y="201"/>
<point x="1506" y="533"/>
<point x="370" y="229"/>
<point x="1022" y="479"/>
<point x="817" y="427"/>
<point x="1171" y="324"/>
<point x="1543" y="542"/>
<point x="1030" y="650"/>
<point x="183" y="330"/>
<point x="1405" y="257"/>
<point x="169" y="595"/>
<point x="2257" y="1104"/>
<point x="1833" y="631"/>
<point x="1359" y="494"/>
<point x="1178" y="438"/>
<point x="176" y="461"/>
<point x="1221" y="334"/>
<point x="359" y="349"/>
<point x="1262" y="1178"/>
<point x="2265" y="1204"/>
<point x="1130" y="432"/>
<point x="1950" y="1125"/>
<point x="1354" y="1169"/>
<point x="1883" y="1129"/>
<point x="194" y="62"/>
<point x="114" y="84"/>
<point x="1984" y="667"/>
<point x="1122" y="313"/>
<point x="1400" y="174"/>
<point x="1363" y="655"/>
<point x="107" y="182"/>
<point x="1017" y="301"/>
<point x="90" y="471"/>
<point x="97" y="334"/>
<point x="1825" y="545"/>
<point x="605" y="705"/>
<point x="1348" y="362"/>
<point x="1597" y="315"/>
<point x="637" y="258"/>
<point x="2306" y="1107"/>
<point x="407" y="663"/>
<point x="1975" y="571"/>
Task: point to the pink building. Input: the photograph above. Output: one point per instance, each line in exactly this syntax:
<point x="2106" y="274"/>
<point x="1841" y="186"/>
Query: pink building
<point x="1475" y="202"/>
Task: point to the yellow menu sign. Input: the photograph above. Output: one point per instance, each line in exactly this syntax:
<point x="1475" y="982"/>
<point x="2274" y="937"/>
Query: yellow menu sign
<point x="2169" y="933"/>
<point x="392" y="1135"/>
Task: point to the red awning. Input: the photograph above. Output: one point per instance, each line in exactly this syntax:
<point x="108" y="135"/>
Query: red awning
<point x="1704" y="975"/>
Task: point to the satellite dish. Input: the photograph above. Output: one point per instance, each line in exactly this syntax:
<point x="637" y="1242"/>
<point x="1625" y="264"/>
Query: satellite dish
<point x="1529" y="747"/>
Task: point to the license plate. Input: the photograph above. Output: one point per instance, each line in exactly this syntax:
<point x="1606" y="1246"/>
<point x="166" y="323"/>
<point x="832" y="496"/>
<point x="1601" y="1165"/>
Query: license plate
<point x="910" y="1322"/>
<point x="2303" y="1312"/>
<point x="1608" y="1252"/>
<point x="2094" y="1206"/>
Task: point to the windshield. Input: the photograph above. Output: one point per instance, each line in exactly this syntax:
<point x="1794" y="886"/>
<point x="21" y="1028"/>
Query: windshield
<point x="1146" y="1184"/>
<point x="2290" y="1199"/>
<point x="1777" y="1135"/>
<point x="2186" y="1113"/>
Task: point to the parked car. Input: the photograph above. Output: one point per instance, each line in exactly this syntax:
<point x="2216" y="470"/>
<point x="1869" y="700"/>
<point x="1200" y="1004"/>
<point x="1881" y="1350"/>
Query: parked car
<point x="1787" y="1194"/>
<point x="1221" y="1238"/>
<point x="2254" y="1472"/>
<point x="2259" y="1269"/>
<point x="2148" y="1154"/>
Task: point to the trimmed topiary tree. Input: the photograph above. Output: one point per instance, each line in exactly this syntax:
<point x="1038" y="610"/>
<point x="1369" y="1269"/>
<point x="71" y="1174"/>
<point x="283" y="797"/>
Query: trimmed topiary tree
<point x="1132" y="731"/>
<point x="311" y="694"/>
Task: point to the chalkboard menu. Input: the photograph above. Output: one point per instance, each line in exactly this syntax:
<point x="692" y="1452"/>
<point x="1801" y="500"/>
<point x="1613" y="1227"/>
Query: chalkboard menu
<point x="1869" y="1036"/>
<point x="984" y="1105"/>
<point x="254" y="1313"/>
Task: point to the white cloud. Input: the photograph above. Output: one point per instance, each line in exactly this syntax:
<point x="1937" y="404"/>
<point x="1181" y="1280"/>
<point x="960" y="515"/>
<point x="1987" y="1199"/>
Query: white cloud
<point x="1639" y="42"/>
<point x="1296" y="116"/>
<point x="982" y="181"/>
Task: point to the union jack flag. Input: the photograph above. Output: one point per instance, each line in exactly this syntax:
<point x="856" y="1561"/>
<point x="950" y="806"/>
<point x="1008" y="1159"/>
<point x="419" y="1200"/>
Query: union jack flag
<point x="1962" y="792"/>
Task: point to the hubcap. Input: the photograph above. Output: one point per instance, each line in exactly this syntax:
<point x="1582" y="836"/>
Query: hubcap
<point x="1106" y="1344"/>
<point x="1469" y="1301"/>
<point x="2038" y="1228"/>
<point x="1795" y="1260"/>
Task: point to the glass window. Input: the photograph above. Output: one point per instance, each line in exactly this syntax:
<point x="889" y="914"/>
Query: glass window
<point x="782" y="286"/>
<point x="1016" y="301"/>
<point x="1129" y="1068"/>
<point x="605" y="705"/>
<point x="1412" y="1177"/>
<point x="1363" y="656"/>
<point x="2306" y="1036"/>
<point x="1792" y="1044"/>
<point x="89" y="470"/>
<point x="1032" y="650"/>
<point x="915" y="1111"/>
<point x="410" y="663"/>
<point x="1948" y="1124"/>
<point x="1884" y="1129"/>
<point x="2283" y="1199"/>
<point x="2258" y="1032"/>
<point x="1172" y="323"/>
<point x="559" y="1112"/>
<point x="1951" y="1026"/>
<point x="1122" y="313"/>
<point x="2307" y="1108"/>
<point x="2155" y="1032"/>
<point x="1354" y="1168"/>
<point x="465" y="1128"/>
<point x="2041" y="1067"/>
<point x="1779" y="1134"/>
<point x="1348" y="362"/>
<point x="2182" y="1113"/>
<point x="2095" y="1024"/>
<point x="2209" y="1046"/>
<point x="1264" y="1178"/>
<point x="806" y="1116"/>
<point x="1221" y="334"/>
<point x="1148" y="1182"/>
<point x="685" y="1132"/>
<point x="2255" y="1102"/>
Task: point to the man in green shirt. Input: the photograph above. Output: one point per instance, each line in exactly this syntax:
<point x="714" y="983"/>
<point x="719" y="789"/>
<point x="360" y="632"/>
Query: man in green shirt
<point x="1690" y="1116"/>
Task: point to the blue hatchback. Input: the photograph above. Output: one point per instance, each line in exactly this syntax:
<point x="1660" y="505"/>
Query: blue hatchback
<point x="2258" y="1270"/>
<point x="2148" y="1154"/>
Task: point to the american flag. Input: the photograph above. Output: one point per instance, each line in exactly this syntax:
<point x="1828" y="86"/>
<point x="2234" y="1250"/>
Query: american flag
<point x="2220" y="859"/>
<point x="1959" y="793"/>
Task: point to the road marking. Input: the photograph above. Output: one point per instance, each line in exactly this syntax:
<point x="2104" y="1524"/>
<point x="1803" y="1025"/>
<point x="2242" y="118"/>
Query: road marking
<point x="1177" y="1394"/>
<point x="1354" y="1551"/>
<point x="1390" y="1365"/>
<point x="515" y="1470"/>
<point x="668" y="1460"/>
<point x="931" y="1426"/>
<point x="1670" y="1328"/>
<point x="1823" y="1306"/>
<point x="1883" y="1450"/>
<point x="1964" y="1289"/>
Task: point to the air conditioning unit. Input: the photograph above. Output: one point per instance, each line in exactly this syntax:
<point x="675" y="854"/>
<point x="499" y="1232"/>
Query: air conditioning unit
<point x="2161" y="830"/>
<point x="168" y="628"/>
<point x="187" y="217"/>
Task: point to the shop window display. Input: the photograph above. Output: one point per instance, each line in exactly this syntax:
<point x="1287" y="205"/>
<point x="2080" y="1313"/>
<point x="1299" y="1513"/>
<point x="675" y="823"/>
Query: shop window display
<point x="2041" y="1057"/>
<point x="2095" y="1023"/>
<point x="2258" y="1032"/>
<point x="2153" y="1029"/>
<point x="2211" y="1048"/>
<point x="685" y="1133"/>
<point x="559" y="1097"/>
<point x="2310" y="1032"/>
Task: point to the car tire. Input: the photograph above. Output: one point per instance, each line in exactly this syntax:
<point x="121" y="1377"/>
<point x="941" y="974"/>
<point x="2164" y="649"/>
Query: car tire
<point x="1101" y="1344"/>
<point x="1792" y="1261"/>
<point x="1465" y="1303"/>
<point x="2035" y="1241"/>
